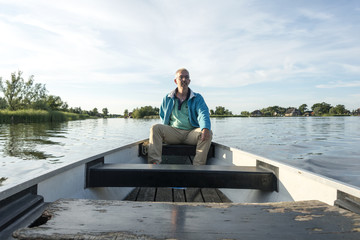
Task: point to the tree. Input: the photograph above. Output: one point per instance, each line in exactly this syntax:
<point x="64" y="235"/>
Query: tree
<point x="321" y="108"/>
<point x="105" y="111"/>
<point x="3" y="103"/>
<point x="32" y="93"/>
<point x="267" y="114"/>
<point x="222" y="111"/>
<point x="317" y="111"/>
<point x="145" y="111"/>
<point x="77" y="110"/>
<point x="65" y="107"/>
<point x="245" y="113"/>
<point x="273" y="111"/>
<point x="332" y="111"/>
<point x="126" y="113"/>
<point x="20" y="94"/>
<point x="12" y="90"/>
<point x="219" y="110"/>
<point x="54" y="102"/>
<point x="94" y="112"/>
<point x="338" y="110"/>
<point x="303" y="108"/>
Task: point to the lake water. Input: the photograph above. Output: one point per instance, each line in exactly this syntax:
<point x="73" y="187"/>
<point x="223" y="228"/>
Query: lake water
<point x="329" y="146"/>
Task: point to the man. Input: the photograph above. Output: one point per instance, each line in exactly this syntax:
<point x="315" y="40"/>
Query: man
<point x="186" y="120"/>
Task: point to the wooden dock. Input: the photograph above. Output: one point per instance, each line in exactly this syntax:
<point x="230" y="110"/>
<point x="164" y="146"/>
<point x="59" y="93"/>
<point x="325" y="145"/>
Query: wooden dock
<point x="103" y="219"/>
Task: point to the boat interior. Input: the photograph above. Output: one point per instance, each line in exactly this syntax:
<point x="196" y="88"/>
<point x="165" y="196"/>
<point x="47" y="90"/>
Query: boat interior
<point x="255" y="188"/>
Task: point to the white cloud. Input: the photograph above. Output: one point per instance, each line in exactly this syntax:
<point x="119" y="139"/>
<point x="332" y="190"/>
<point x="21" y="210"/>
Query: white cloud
<point x="315" y="14"/>
<point x="351" y="68"/>
<point x="339" y="84"/>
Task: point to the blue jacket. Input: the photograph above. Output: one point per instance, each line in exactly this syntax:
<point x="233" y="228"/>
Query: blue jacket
<point x="199" y="115"/>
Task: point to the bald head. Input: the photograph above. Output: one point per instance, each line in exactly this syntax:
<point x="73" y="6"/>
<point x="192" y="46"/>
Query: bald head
<point x="181" y="70"/>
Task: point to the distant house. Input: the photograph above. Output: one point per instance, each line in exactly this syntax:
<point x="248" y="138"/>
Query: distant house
<point x="308" y="113"/>
<point x="256" y="113"/>
<point x="278" y="114"/>
<point x="357" y="112"/>
<point x="292" y="112"/>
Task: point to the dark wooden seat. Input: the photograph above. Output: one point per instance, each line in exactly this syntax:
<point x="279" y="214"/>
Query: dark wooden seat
<point x="183" y="150"/>
<point x="177" y="150"/>
<point x="173" y="175"/>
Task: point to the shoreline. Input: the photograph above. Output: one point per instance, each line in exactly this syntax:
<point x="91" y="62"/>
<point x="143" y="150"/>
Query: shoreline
<point x="35" y="116"/>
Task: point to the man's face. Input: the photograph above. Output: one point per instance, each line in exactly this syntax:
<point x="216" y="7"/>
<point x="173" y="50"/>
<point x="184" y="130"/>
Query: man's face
<point x="182" y="79"/>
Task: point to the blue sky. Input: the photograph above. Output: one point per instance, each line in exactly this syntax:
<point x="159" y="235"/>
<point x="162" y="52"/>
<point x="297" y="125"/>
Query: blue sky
<point x="242" y="54"/>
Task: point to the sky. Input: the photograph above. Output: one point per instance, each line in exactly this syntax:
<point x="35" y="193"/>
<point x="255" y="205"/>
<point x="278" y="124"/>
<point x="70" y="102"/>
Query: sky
<point x="243" y="54"/>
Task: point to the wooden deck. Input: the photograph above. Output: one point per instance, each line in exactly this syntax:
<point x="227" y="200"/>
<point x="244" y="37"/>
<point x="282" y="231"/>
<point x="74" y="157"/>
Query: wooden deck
<point x="101" y="219"/>
<point x="206" y="195"/>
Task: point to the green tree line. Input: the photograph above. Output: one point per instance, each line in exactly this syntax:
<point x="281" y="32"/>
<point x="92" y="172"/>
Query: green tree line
<point x="220" y="111"/>
<point x="317" y="109"/>
<point x="25" y="97"/>
<point x="143" y="112"/>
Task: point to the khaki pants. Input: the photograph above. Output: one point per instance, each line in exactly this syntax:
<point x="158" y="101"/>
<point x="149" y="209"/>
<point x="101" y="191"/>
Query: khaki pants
<point x="160" y="133"/>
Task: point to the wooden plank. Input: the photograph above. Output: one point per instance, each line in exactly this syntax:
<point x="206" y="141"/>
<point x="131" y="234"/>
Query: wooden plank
<point x="100" y="219"/>
<point x="132" y="196"/>
<point x="210" y="195"/>
<point x="193" y="195"/>
<point x="179" y="195"/>
<point x="164" y="195"/>
<point x="146" y="194"/>
<point x="222" y="196"/>
<point x="175" y="175"/>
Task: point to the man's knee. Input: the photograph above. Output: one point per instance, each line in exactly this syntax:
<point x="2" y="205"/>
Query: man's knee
<point x="156" y="128"/>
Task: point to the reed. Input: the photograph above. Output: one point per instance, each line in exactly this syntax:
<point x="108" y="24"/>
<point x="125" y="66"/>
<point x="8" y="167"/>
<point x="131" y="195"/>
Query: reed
<point x="31" y="116"/>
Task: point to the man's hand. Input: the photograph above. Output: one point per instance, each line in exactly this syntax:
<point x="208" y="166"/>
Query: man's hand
<point x="205" y="134"/>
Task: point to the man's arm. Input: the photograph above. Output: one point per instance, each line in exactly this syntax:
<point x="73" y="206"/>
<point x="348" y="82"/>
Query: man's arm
<point x="203" y="114"/>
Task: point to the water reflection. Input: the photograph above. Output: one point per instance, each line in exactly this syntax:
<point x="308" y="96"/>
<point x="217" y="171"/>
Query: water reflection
<point x="24" y="140"/>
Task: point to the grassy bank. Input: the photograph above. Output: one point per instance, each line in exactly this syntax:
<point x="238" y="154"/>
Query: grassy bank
<point x="31" y="116"/>
<point x="226" y="116"/>
<point x="152" y="117"/>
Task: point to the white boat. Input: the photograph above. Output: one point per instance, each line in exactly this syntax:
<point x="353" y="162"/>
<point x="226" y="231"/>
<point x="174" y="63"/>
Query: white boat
<point x="257" y="198"/>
